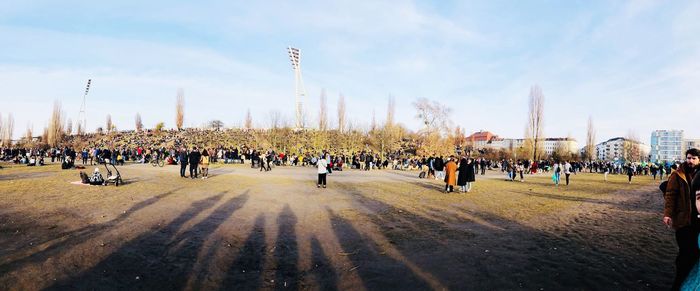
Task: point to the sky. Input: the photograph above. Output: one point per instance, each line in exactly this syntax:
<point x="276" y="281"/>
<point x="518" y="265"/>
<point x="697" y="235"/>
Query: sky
<point x="633" y="67"/>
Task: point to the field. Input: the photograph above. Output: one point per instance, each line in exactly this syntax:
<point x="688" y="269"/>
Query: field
<point x="378" y="230"/>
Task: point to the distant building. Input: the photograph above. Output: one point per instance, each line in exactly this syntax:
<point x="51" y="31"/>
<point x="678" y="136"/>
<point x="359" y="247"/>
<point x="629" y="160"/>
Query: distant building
<point x="614" y="149"/>
<point x="506" y="143"/>
<point x="666" y="145"/>
<point x="550" y="145"/>
<point x="481" y="138"/>
<point x="690" y="144"/>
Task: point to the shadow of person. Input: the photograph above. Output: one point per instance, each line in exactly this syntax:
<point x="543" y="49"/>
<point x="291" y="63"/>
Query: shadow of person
<point x="286" y="250"/>
<point x="246" y="270"/>
<point x="322" y="269"/>
<point x="151" y="261"/>
<point x="377" y="271"/>
<point x="74" y="237"/>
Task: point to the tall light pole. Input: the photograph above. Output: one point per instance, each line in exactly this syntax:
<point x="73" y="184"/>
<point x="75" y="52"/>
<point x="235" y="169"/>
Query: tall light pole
<point x="83" y="108"/>
<point x="299" y="89"/>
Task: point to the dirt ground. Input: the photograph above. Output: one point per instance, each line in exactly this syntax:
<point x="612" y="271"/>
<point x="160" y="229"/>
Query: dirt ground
<point x="381" y="230"/>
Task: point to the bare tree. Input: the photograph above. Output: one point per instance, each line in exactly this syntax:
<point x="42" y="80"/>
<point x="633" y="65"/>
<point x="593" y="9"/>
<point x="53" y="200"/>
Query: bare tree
<point x="69" y="127"/>
<point x="373" y="125"/>
<point x="28" y="134"/>
<point x="139" y="123"/>
<point x="79" y="129"/>
<point x="631" y="149"/>
<point x="535" y="119"/>
<point x="109" y="124"/>
<point x="55" y="130"/>
<point x="216" y="124"/>
<point x="275" y="119"/>
<point x="159" y="126"/>
<point x="590" y="140"/>
<point x="248" y="124"/>
<point x="45" y="136"/>
<point x="434" y="115"/>
<point x="323" y="112"/>
<point x="390" y="110"/>
<point x="341" y="113"/>
<point x="2" y="130"/>
<point x="9" y="129"/>
<point x="180" y="109"/>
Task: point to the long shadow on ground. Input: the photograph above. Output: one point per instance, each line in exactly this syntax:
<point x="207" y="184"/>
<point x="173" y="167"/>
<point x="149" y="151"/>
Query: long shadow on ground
<point x="504" y="254"/>
<point x="160" y="259"/>
<point x="59" y="242"/>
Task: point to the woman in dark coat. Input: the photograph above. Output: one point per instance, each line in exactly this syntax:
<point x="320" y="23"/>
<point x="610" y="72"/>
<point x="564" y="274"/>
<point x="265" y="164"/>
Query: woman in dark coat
<point x="466" y="174"/>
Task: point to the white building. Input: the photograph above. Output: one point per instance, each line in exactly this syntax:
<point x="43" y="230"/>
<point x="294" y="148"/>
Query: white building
<point x="666" y="145"/>
<point x="548" y="145"/>
<point x="614" y="149"/>
<point x="690" y="144"/>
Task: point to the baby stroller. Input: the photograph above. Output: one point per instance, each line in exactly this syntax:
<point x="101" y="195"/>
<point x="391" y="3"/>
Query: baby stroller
<point x="113" y="177"/>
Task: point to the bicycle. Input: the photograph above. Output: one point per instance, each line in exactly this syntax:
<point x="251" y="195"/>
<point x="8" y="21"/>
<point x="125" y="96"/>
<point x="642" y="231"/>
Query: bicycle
<point x="157" y="162"/>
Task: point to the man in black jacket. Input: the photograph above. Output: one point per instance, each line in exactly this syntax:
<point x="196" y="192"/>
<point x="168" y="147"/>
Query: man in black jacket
<point x="182" y="156"/>
<point x="194" y="156"/>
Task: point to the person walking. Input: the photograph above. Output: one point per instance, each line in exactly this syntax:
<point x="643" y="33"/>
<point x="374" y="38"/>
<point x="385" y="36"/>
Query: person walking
<point x="556" y="177"/>
<point x="681" y="213"/>
<point x="567" y="171"/>
<point x="182" y="157"/>
<point x="450" y="171"/>
<point x="520" y="168"/>
<point x="204" y="161"/>
<point x="194" y="158"/>
<point x="322" y="169"/>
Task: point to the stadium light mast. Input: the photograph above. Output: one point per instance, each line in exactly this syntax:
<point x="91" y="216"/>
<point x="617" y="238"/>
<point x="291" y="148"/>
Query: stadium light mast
<point x="299" y="89"/>
<point x="83" y="108"/>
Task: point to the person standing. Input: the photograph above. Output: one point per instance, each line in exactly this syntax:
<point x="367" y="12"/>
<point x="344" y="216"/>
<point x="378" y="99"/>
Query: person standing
<point x="439" y="164"/>
<point x="194" y="158"/>
<point x="630" y="173"/>
<point x="467" y="173"/>
<point x="450" y="171"/>
<point x="681" y="214"/>
<point x="321" y="167"/>
<point x="182" y="158"/>
<point x="205" y="164"/>
<point x="462" y="177"/>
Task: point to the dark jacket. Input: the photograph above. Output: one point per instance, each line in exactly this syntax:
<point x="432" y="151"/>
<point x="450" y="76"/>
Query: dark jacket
<point x="678" y="198"/>
<point x="182" y="156"/>
<point x="466" y="173"/>
<point x="195" y="156"/>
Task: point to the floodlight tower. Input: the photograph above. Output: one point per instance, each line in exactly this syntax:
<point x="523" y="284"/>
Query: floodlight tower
<point x="83" y="108"/>
<point x="299" y="89"/>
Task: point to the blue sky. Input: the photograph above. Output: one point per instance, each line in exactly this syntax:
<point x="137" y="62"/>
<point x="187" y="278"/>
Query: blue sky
<point x="632" y="66"/>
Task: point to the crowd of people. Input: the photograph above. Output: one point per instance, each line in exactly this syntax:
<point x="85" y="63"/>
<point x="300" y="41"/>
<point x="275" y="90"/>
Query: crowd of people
<point x="681" y="189"/>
